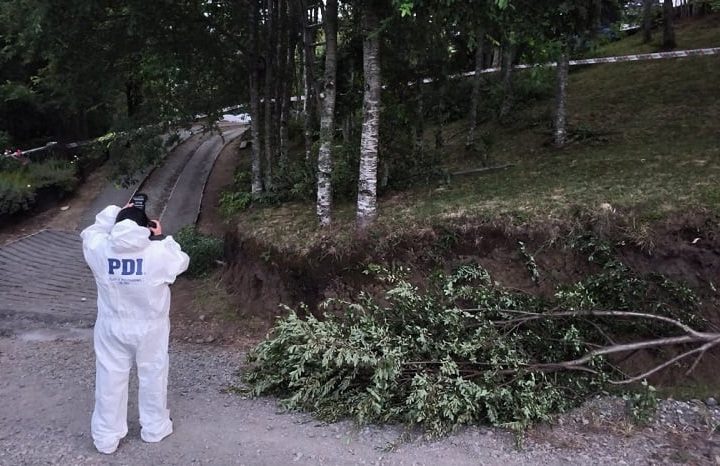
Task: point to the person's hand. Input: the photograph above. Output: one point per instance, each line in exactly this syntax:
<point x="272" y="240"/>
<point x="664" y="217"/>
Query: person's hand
<point x="155" y="227"/>
<point x="129" y="204"/>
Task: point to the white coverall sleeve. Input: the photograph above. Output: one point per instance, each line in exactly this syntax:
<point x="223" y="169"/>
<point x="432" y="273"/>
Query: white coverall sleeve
<point x="173" y="259"/>
<point x="96" y="233"/>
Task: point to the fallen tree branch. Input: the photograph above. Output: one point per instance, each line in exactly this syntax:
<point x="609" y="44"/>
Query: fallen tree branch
<point x="551" y="315"/>
<point x="691" y="336"/>
<point x="473" y="171"/>
<point x="655" y="369"/>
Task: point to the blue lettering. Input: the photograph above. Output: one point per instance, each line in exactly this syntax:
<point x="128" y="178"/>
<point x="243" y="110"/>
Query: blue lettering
<point x="128" y="267"/>
<point x="125" y="266"/>
<point x="113" y="265"/>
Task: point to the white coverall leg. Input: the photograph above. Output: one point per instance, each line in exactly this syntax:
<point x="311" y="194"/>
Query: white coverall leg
<point x="117" y="343"/>
<point x="153" y="363"/>
<point x="113" y="361"/>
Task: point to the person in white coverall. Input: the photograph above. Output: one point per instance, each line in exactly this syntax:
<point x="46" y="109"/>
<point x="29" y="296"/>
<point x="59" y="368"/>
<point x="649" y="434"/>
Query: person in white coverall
<point x="133" y="265"/>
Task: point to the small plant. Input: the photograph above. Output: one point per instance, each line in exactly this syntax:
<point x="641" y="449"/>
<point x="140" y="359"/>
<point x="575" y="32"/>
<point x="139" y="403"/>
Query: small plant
<point x="233" y="202"/>
<point x="641" y="405"/>
<point x="529" y="263"/>
<point x="204" y="250"/>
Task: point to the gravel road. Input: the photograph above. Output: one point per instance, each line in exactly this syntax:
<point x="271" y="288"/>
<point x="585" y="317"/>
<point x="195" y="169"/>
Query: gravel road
<point x="47" y="397"/>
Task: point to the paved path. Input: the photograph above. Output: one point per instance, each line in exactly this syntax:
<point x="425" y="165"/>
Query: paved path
<point x="43" y="278"/>
<point x="183" y="206"/>
<point x="117" y="195"/>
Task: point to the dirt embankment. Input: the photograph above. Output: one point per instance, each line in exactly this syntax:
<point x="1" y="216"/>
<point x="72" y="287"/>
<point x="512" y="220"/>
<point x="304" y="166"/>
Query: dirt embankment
<point x="685" y="249"/>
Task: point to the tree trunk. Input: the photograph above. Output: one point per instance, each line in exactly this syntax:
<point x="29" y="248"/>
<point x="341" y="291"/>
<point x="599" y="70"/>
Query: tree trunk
<point x="287" y="85"/>
<point x="596" y="17"/>
<point x="133" y="97"/>
<point x="327" y="119"/>
<point x="668" y="27"/>
<point x="496" y="57"/>
<point x="477" y="81"/>
<point x="349" y="120"/>
<point x="269" y="87"/>
<point x="561" y="99"/>
<point x="508" y="56"/>
<point x="441" y="111"/>
<point x="647" y="21"/>
<point x="254" y="72"/>
<point x="419" y="126"/>
<point x="367" y="180"/>
<point x="309" y="83"/>
<point x="281" y="58"/>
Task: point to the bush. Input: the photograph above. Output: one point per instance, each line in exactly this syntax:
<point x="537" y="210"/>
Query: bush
<point x="55" y="174"/>
<point x="16" y="192"/>
<point x="5" y="140"/>
<point x="204" y="251"/>
<point x="233" y="202"/>
<point x="19" y="185"/>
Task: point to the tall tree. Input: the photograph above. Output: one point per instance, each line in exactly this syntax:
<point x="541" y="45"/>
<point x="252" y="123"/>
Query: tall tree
<point x="561" y="98"/>
<point x="271" y="35"/>
<point x="477" y="83"/>
<point x="327" y="119"/>
<point x="647" y="19"/>
<point x="310" y="96"/>
<point x="254" y="72"/>
<point x="290" y="40"/>
<point x="668" y="41"/>
<point x="506" y="74"/>
<point x="367" y="180"/>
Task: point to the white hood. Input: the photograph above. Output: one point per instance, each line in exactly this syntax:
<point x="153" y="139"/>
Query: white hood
<point x="128" y="236"/>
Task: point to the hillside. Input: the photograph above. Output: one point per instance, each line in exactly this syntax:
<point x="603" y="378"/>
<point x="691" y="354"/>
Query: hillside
<point x="645" y="145"/>
<point x="636" y="184"/>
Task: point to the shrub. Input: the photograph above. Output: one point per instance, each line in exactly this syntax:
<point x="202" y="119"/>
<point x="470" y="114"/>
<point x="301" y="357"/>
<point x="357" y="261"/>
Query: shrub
<point x="19" y="184"/>
<point x="204" y="250"/>
<point x="5" y="140"/>
<point x="641" y="405"/>
<point x="55" y="174"/>
<point x="233" y="202"/>
<point x="16" y="192"/>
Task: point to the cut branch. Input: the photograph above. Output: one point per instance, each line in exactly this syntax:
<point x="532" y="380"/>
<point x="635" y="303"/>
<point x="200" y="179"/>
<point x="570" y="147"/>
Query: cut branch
<point x="655" y="369"/>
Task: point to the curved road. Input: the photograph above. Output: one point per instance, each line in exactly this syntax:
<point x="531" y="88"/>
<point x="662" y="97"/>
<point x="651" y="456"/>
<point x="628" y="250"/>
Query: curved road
<point x="44" y="281"/>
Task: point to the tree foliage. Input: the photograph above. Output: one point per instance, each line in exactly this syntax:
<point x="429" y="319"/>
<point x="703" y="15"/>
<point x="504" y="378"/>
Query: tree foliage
<point x="464" y="350"/>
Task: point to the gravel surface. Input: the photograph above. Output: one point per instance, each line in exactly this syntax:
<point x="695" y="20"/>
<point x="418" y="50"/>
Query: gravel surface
<point x="46" y="390"/>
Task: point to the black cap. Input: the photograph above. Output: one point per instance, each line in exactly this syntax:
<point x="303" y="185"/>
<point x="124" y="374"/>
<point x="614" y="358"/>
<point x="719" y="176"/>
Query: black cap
<point x="134" y="214"/>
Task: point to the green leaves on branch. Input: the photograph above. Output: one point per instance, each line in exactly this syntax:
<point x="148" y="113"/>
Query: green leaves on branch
<point x="405" y="7"/>
<point x="451" y="355"/>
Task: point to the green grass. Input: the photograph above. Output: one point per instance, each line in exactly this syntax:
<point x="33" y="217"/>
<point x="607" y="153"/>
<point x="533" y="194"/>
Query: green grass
<point x="690" y="34"/>
<point x="653" y="149"/>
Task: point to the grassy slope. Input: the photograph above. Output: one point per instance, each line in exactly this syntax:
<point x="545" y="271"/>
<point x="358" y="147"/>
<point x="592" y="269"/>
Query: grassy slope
<point x="659" y="153"/>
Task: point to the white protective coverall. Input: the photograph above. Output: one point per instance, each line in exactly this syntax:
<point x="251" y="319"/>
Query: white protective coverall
<point x="132" y="275"/>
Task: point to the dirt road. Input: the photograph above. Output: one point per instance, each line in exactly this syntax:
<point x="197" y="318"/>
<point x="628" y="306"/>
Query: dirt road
<point x="47" y="398"/>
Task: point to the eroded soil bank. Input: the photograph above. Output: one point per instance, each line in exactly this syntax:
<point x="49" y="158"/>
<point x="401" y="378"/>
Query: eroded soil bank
<point x="685" y="249"/>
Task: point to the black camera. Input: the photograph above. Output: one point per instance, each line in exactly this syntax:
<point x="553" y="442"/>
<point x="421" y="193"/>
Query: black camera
<point x="139" y="200"/>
